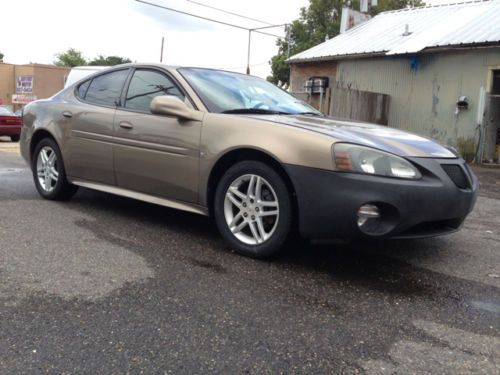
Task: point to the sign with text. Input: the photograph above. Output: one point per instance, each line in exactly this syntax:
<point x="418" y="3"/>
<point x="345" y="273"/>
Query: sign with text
<point x="23" y="99"/>
<point x="24" y="84"/>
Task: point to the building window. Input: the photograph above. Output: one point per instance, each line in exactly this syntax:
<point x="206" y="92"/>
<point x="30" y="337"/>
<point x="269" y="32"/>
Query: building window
<point x="495" y="87"/>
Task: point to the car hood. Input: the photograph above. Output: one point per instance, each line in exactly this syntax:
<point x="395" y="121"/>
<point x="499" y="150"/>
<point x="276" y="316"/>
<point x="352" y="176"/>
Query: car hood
<point x="381" y="137"/>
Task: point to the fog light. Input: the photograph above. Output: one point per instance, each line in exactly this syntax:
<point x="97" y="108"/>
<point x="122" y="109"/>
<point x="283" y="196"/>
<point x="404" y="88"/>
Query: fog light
<point x="367" y="212"/>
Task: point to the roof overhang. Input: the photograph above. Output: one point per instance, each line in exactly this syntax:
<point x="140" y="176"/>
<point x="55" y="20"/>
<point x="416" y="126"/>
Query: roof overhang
<point x="438" y="49"/>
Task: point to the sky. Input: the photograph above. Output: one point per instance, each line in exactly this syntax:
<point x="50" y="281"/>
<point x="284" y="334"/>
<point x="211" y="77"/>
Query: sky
<point x="36" y="30"/>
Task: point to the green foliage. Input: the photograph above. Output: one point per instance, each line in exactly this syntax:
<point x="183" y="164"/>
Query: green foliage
<point x="320" y="20"/>
<point x="73" y="57"/>
<point x="385" y="5"/>
<point x="1" y="56"/>
<point x="109" y="61"/>
<point x="70" y="58"/>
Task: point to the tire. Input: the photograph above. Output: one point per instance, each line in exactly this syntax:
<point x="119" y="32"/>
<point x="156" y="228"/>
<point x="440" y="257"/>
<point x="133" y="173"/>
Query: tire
<point x="255" y="223"/>
<point x="15" y="138"/>
<point x="49" y="173"/>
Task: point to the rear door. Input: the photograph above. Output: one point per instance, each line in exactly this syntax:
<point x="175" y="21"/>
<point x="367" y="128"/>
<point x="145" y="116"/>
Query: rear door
<point x="157" y="155"/>
<point x="89" y="124"/>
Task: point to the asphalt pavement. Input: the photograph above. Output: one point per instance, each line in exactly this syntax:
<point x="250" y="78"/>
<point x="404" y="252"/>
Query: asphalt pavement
<point x="103" y="284"/>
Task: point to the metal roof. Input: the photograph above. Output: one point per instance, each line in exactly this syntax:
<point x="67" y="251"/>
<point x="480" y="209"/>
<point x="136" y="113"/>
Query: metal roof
<point x="450" y="25"/>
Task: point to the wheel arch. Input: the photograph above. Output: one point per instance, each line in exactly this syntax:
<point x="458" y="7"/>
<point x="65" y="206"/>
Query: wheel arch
<point x="37" y="136"/>
<point x="242" y="154"/>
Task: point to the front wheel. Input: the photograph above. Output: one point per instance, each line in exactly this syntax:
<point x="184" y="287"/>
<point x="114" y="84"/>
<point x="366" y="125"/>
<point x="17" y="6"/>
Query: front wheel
<point x="253" y="209"/>
<point x="49" y="173"/>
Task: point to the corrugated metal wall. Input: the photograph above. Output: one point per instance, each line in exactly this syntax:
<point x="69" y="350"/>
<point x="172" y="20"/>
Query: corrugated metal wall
<point x="424" y="90"/>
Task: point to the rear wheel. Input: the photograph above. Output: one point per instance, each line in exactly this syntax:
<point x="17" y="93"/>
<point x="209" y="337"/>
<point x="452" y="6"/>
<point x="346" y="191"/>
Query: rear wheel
<point x="253" y="209"/>
<point x="14" y="138"/>
<point x="48" y="172"/>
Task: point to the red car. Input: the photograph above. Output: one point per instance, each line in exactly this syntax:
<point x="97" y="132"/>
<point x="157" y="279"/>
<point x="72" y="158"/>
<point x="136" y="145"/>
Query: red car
<point x="10" y="124"/>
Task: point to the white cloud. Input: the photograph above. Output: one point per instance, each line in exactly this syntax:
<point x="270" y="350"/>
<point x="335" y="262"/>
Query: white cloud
<point x="36" y="30"/>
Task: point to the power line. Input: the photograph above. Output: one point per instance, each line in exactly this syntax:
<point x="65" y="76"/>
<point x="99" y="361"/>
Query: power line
<point x="229" y="12"/>
<point x="208" y="19"/>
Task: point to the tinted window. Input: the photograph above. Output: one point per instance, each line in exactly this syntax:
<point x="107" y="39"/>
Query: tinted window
<point x="106" y="89"/>
<point x="82" y="89"/>
<point x="147" y="84"/>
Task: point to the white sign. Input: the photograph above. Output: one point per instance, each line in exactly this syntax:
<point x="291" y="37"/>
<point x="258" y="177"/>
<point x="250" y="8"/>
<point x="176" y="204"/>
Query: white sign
<point x="23" y="99"/>
<point x="24" y="84"/>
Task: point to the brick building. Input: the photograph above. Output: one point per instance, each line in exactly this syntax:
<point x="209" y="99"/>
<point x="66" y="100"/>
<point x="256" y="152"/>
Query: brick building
<point x="21" y="84"/>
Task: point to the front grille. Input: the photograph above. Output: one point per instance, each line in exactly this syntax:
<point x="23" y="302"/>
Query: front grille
<point x="457" y="175"/>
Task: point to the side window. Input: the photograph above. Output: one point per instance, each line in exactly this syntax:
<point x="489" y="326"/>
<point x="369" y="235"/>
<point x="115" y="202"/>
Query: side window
<point x="145" y="86"/>
<point x="107" y="88"/>
<point x="82" y="89"/>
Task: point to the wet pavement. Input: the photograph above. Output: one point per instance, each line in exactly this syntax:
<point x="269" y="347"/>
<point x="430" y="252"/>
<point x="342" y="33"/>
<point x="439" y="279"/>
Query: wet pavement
<point x="104" y="284"/>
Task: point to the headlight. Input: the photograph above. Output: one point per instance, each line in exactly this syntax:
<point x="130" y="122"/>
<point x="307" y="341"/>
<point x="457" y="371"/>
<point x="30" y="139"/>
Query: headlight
<point x="453" y="150"/>
<point x="360" y="159"/>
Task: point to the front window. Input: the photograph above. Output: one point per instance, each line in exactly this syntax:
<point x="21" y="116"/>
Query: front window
<point x="225" y="92"/>
<point x="145" y="86"/>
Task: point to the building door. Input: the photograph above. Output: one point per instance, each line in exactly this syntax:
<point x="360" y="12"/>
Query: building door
<point x="492" y="121"/>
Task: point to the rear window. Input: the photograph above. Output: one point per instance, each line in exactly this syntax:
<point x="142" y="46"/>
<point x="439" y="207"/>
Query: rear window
<point x="106" y="89"/>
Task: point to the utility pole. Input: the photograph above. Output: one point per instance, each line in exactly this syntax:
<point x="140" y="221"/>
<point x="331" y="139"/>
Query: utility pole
<point x="161" y="53"/>
<point x="248" y="56"/>
<point x="287" y="30"/>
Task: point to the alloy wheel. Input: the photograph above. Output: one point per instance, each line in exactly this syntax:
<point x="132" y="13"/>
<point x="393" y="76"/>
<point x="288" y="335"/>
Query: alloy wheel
<point x="251" y="209"/>
<point x="47" y="169"/>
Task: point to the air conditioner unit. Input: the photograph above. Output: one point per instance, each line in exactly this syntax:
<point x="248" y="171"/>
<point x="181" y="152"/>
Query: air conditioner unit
<point x="317" y="85"/>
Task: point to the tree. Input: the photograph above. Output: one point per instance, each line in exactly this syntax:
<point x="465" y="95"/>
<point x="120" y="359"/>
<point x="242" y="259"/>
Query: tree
<point x="1" y="57"/>
<point x="385" y="5"/>
<point x="70" y="58"/>
<point x="320" y="20"/>
<point x="110" y="60"/>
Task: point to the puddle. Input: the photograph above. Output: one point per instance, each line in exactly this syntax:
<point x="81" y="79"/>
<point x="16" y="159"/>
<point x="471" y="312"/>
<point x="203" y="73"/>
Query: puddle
<point x="11" y="170"/>
<point x="487" y="306"/>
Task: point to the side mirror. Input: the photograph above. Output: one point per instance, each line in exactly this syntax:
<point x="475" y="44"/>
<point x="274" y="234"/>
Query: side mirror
<point x="172" y="106"/>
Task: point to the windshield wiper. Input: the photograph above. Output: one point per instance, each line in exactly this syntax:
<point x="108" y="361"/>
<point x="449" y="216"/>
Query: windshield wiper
<point x="258" y="111"/>
<point x="311" y="113"/>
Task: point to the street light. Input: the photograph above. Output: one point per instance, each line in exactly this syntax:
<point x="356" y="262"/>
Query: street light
<point x="257" y="29"/>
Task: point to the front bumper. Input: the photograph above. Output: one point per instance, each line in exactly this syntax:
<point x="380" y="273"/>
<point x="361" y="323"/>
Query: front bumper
<point x="328" y="201"/>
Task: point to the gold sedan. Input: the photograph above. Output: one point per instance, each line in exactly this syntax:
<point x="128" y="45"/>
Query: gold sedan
<point x="240" y="149"/>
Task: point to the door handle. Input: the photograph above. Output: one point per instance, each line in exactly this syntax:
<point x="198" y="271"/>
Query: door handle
<point x="67" y="114"/>
<point x="126" y="125"/>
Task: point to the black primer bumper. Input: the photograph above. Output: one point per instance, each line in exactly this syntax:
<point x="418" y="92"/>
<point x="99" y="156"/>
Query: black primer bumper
<point x="328" y="201"/>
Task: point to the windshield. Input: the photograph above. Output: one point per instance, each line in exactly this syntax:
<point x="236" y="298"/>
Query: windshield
<point x="225" y="92"/>
<point x="5" y="112"/>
